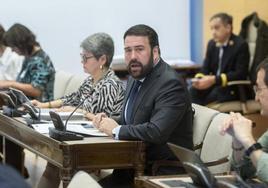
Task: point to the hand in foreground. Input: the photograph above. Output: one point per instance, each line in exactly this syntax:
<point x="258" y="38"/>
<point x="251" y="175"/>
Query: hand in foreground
<point x="204" y="82"/>
<point x="38" y="104"/>
<point x="107" y="125"/>
<point x="5" y="84"/>
<point x="97" y="119"/>
<point x="65" y="109"/>
<point x="239" y="128"/>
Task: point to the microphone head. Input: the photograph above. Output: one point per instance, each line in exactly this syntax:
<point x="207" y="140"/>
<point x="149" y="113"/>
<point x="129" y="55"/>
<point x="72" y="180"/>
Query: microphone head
<point x="31" y="111"/>
<point x="63" y="136"/>
<point x="57" y="121"/>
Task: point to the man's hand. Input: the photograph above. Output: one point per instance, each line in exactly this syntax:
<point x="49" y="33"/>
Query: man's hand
<point x="107" y="125"/>
<point x="204" y="82"/>
<point x="97" y="119"/>
<point x="239" y="128"/>
<point x="242" y="129"/>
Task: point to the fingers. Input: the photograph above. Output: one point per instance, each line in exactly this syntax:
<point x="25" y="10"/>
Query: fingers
<point x="236" y="116"/>
<point x="102" y="127"/>
<point x="227" y="123"/>
<point x="35" y="102"/>
<point x="97" y="119"/>
<point x="61" y="109"/>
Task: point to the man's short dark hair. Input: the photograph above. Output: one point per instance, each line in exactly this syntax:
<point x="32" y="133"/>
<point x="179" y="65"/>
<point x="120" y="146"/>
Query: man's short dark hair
<point x="143" y="30"/>
<point x="2" y="31"/>
<point x="21" y="37"/>
<point x="225" y="18"/>
<point x="264" y="65"/>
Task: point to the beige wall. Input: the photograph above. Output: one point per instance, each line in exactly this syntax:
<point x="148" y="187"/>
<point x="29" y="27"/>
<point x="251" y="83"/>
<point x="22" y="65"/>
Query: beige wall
<point x="237" y="8"/>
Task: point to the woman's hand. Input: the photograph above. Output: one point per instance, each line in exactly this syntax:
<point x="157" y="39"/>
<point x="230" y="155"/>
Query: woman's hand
<point x="65" y="109"/>
<point x="39" y="104"/>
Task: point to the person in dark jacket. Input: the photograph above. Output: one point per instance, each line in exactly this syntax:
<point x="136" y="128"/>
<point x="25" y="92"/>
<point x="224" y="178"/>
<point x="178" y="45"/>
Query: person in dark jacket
<point x="227" y="59"/>
<point x="156" y="108"/>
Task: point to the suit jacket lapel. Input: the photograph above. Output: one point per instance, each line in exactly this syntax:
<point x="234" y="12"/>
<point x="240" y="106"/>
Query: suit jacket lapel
<point x="128" y="89"/>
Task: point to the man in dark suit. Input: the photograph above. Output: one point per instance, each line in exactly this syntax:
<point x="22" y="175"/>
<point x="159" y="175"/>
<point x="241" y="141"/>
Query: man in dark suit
<point x="157" y="107"/>
<point x="227" y="59"/>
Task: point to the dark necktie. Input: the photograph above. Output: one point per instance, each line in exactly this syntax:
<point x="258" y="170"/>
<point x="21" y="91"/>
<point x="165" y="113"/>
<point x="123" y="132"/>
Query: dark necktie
<point x="131" y="100"/>
<point x="221" y="50"/>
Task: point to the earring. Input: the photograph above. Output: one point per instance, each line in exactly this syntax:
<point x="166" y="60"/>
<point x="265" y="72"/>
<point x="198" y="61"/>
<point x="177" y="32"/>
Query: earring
<point x="101" y="67"/>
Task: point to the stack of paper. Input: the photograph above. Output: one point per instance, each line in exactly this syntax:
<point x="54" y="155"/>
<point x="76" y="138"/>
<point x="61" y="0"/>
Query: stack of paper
<point x="82" y="127"/>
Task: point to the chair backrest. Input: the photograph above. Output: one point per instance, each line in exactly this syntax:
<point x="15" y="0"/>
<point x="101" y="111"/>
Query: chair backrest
<point x="202" y="119"/>
<point x="66" y="83"/>
<point x="83" y="179"/>
<point x="216" y="146"/>
<point x="74" y="83"/>
<point x="61" y="80"/>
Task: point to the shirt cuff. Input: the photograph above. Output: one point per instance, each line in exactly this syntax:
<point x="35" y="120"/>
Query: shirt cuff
<point x="116" y="131"/>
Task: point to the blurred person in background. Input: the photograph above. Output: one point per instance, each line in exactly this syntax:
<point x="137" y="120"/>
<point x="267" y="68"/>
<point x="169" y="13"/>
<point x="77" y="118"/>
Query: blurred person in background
<point x="10" y="62"/>
<point x="227" y="59"/>
<point x="37" y="75"/>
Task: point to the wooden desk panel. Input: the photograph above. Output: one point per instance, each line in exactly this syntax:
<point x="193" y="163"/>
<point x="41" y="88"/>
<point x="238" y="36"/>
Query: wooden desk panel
<point x="70" y="156"/>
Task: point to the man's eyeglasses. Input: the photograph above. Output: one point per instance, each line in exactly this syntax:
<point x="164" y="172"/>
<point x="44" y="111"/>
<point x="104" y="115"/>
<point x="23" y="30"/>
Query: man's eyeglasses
<point x="258" y="89"/>
<point x="85" y="58"/>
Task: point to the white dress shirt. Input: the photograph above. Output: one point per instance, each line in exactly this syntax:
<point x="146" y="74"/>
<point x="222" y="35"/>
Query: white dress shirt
<point x="10" y="64"/>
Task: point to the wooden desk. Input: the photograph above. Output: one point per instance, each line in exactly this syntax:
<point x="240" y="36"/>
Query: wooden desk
<point x="70" y="156"/>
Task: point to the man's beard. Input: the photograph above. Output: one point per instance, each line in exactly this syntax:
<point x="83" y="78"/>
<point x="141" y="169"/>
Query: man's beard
<point x="141" y="70"/>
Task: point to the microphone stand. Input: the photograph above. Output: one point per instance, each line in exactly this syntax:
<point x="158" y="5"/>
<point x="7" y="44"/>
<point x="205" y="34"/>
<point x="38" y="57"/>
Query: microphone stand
<point x="60" y="131"/>
<point x="69" y="117"/>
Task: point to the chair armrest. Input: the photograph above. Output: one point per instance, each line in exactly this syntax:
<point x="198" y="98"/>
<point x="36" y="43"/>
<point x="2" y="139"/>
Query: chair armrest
<point x="217" y="162"/>
<point x="198" y="146"/>
<point x="244" y="88"/>
<point x="239" y="82"/>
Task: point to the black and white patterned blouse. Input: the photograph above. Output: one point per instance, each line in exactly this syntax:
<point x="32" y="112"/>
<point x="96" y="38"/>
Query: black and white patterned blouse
<point x="104" y="96"/>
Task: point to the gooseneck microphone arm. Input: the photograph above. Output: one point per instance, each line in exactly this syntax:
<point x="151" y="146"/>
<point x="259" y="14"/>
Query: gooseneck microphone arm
<point x="60" y="131"/>
<point x="68" y="118"/>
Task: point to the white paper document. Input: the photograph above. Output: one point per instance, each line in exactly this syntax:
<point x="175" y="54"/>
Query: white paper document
<point x="84" y="127"/>
<point x="44" y="114"/>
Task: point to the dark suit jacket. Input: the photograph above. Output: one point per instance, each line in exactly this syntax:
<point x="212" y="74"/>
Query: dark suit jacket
<point x="162" y="113"/>
<point x="235" y="63"/>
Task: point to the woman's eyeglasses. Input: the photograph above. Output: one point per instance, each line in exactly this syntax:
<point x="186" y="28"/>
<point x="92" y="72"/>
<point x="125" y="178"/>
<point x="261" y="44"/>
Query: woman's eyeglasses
<point x="85" y="58"/>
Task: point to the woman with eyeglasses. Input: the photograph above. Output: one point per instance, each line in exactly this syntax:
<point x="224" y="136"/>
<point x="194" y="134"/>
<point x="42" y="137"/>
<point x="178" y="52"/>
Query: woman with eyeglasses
<point x="102" y="90"/>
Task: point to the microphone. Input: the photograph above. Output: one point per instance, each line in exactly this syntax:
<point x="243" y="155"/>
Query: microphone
<point x="60" y="131"/>
<point x="69" y="117"/>
<point x="9" y="104"/>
